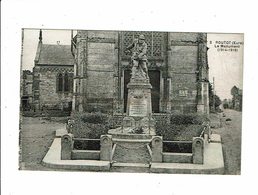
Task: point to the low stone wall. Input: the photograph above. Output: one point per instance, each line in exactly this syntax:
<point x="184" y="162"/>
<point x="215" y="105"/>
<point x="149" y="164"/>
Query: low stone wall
<point x="85" y="155"/>
<point x="196" y="156"/>
<point x="86" y="144"/>
<point x="177" y="146"/>
<point x="131" y="150"/>
<point x="177" y="157"/>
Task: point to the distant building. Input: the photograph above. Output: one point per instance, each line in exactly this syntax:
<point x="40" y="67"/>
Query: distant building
<point x="237" y="98"/>
<point x="92" y="73"/>
<point x="227" y="104"/>
<point x="27" y="93"/>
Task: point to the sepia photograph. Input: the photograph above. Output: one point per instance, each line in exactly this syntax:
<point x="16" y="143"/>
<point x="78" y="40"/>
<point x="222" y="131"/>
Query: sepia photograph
<point x="128" y="97"/>
<point x="131" y="101"/>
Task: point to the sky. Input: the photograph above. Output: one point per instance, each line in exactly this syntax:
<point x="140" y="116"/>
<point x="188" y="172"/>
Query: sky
<point x="30" y="43"/>
<point x="225" y="66"/>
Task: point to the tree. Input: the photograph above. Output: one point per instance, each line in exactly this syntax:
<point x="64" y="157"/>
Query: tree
<point x="213" y="97"/>
<point x="217" y="101"/>
<point x="225" y="104"/>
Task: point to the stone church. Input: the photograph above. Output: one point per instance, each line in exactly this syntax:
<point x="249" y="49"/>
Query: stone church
<point x="92" y="73"/>
<point x="53" y="77"/>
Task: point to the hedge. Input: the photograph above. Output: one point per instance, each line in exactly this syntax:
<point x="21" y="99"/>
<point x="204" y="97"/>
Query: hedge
<point x="180" y="127"/>
<point x="178" y="132"/>
<point x="91" y="125"/>
<point x="170" y="126"/>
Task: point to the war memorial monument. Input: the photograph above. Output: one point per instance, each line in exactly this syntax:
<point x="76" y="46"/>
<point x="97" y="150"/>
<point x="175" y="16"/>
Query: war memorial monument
<point x="134" y="146"/>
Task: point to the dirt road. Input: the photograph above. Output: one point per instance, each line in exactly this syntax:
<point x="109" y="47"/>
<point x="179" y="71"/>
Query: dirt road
<point x="231" y="141"/>
<point x="36" y="136"/>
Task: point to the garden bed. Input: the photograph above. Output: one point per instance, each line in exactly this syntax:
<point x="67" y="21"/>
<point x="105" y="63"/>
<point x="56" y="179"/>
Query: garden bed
<point x="91" y="125"/>
<point x="180" y="127"/>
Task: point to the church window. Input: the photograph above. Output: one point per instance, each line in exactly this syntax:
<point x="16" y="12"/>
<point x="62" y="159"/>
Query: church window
<point x="66" y="83"/>
<point x="60" y="83"/>
<point x="154" y="41"/>
<point x="70" y="80"/>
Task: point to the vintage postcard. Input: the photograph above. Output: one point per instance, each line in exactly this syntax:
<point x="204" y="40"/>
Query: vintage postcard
<point x="131" y="101"/>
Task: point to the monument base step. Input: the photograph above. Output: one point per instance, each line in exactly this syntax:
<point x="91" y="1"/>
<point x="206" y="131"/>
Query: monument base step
<point x="132" y="151"/>
<point x="116" y="140"/>
<point x="213" y="163"/>
<point x="130" y="167"/>
<point x="53" y="160"/>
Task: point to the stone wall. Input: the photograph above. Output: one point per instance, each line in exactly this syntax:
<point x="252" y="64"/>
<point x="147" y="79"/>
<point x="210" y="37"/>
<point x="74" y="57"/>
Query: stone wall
<point x="97" y="62"/>
<point x="49" y="97"/>
<point x="100" y="68"/>
<point x="182" y="67"/>
<point x="183" y="37"/>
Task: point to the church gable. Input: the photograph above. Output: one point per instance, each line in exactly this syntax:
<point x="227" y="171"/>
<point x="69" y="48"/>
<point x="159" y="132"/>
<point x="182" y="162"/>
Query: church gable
<point x="55" y="55"/>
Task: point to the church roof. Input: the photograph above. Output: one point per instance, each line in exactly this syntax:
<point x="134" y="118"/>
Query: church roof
<point x="55" y="55"/>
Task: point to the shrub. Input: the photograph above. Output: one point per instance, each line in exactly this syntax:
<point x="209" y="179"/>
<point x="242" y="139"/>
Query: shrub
<point x="188" y="119"/>
<point x="91" y="125"/>
<point x="171" y="127"/>
<point x="94" y="118"/>
<point x="179" y="132"/>
<point x="180" y="127"/>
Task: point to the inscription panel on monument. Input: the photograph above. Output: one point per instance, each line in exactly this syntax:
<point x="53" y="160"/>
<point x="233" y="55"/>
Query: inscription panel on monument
<point x="138" y="107"/>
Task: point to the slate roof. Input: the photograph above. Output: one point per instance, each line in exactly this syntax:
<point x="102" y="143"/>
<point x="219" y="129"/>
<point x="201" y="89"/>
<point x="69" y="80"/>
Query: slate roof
<point x="55" y="55"/>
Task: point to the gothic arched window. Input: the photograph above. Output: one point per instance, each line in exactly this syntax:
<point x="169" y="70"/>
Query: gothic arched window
<point x="66" y="83"/>
<point x="70" y="76"/>
<point x="60" y="82"/>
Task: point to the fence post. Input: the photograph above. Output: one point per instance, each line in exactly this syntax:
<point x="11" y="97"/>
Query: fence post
<point x="197" y="150"/>
<point x="157" y="147"/>
<point x="105" y="147"/>
<point x="67" y="146"/>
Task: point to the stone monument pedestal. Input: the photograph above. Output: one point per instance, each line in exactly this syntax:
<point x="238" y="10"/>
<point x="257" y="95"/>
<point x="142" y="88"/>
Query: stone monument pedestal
<point x="132" y="141"/>
<point x="139" y="98"/>
<point x="138" y="121"/>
